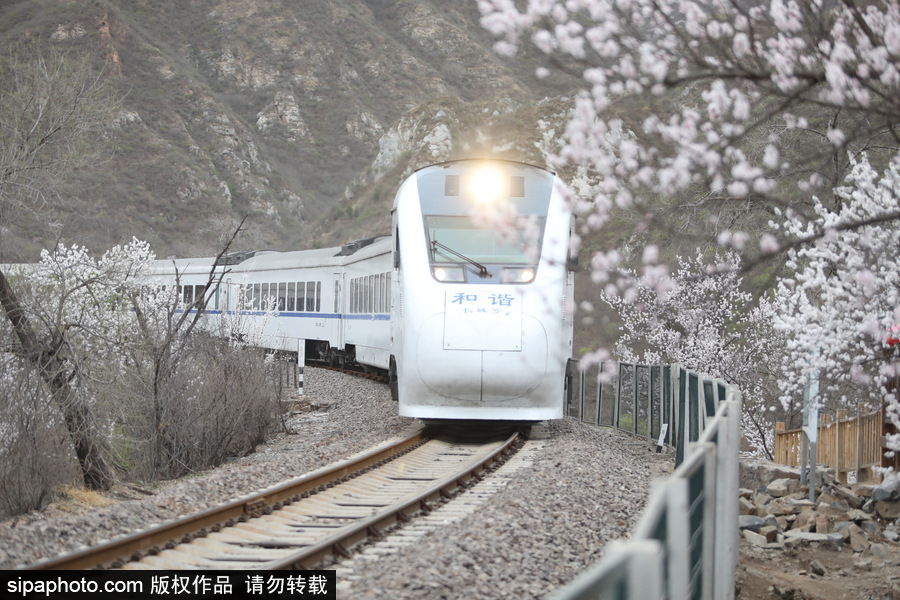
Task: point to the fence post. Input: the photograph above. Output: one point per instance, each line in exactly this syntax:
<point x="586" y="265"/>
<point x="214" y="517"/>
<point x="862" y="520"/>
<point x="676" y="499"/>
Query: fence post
<point x="728" y="455"/>
<point x="618" y="396"/>
<point x="780" y="454"/>
<point x="581" y="394"/>
<point x="301" y="364"/>
<point x="840" y="455"/>
<point x="859" y="438"/>
<point x="634" y="405"/>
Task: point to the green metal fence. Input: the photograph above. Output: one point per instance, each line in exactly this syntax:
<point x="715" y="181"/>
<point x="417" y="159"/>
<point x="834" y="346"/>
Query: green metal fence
<point x="685" y="545"/>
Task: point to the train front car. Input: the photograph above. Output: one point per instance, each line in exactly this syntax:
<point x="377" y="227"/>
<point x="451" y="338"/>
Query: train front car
<point x="480" y="326"/>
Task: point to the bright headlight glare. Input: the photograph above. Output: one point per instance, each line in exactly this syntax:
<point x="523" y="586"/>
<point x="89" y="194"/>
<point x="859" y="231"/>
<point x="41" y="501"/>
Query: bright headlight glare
<point x="517" y="275"/>
<point x="449" y="274"/>
<point x="486" y="185"/>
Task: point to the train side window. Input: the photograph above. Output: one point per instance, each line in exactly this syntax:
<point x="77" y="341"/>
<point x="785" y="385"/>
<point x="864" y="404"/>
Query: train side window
<point x="353" y="286"/>
<point x="301" y="296"/>
<point x="396" y="247"/>
<point x="282" y="296"/>
<point x="387" y="293"/>
<point x="254" y="299"/>
<point x="198" y="292"/>
<point x="291" y="294"/>
<point x="378" y="284"/>
<point x="318" y="296"/>
<point x="187" y="294"/>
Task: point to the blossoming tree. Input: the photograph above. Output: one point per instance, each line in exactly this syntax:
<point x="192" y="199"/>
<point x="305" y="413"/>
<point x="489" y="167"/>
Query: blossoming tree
<point x="762" y="126"/>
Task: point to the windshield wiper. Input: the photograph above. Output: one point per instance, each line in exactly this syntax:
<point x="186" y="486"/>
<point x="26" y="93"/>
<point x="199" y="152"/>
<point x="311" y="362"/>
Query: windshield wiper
<point x="482" y="270"/>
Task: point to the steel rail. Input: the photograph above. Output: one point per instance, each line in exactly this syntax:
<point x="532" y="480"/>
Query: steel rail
<point x="373" y="527"/>
<point x="118" y="551"/>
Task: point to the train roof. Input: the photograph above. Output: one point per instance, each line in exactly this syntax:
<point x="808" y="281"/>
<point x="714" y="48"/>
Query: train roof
<point x="266" y="260"/>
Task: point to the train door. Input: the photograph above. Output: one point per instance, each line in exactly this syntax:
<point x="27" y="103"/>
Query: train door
<point x="223" y="297"/>
<point x="336" y="335"/>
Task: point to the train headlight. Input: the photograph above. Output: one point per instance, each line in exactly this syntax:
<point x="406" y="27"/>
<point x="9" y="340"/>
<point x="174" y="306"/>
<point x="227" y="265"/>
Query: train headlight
<point x="486" y="185"/>
<point x="449" y="274"/>
<point x="517" y="275"/>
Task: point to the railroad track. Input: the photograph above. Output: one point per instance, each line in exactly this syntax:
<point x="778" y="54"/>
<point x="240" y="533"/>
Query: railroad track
<point x="310" y="521"/>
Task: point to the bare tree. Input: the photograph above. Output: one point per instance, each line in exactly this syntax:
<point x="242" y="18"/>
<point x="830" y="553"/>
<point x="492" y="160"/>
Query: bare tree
<point x="53" y="107"/>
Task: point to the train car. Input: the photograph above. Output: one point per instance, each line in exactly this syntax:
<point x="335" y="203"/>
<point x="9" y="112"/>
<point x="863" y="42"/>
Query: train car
<point x="480" y="324"/>
<point x="334" y="301"/>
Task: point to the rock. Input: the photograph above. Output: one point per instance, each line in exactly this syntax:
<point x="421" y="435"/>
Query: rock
<point x="793" y="538"/>
<point x="782" y="487"/>
<point x="822" y="524"/>
<point x="770" y="533"/>
<point x="864" y="490"/>
<point x="887" y="509"/>
<point x="863" y="564"/>
<point x="801" y="504"/>
<point x="871" y="529"/>
<point x="746" y="507"/>
<point x="755" y="538"/>
<point x="761" y="499"/>
<point x="858" y="540"/>
<point x="806" y="521"/>
<point x="847" y="496"/>
<point x="779" y="509"/>
<point x="817" y="567"/>
<point x="825" y="497"/>
<point x="750" y="523"/>
<point x="842" y="528"/>
<point x="889" y="489"/>
<point x="858" y="515"/>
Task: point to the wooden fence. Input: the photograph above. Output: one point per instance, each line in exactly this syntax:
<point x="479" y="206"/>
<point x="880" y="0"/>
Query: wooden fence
<point x="843" y="444"/>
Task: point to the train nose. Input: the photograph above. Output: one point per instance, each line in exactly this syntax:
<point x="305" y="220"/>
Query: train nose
<point x="501" y="373"/>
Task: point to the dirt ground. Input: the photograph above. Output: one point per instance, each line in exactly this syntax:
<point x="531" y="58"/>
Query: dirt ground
<point x="815" y="572"/>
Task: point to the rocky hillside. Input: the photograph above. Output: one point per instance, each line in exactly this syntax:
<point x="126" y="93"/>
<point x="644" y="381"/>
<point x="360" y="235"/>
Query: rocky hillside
<point x="301" y="115"/>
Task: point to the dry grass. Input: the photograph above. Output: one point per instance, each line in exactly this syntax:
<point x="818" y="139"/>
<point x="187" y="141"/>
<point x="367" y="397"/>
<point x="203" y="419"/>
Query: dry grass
<point x="74" y="499"/>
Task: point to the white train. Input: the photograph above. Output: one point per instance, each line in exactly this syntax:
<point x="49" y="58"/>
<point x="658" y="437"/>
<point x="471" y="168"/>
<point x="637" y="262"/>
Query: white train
<point x="467" y="304"/>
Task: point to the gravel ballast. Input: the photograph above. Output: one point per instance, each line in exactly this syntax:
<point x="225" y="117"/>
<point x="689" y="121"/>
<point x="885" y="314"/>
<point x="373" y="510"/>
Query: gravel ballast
<point x="585" y="488"/>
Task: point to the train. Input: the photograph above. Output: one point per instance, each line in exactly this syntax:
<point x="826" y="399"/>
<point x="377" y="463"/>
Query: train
<point x="466" y="306"/>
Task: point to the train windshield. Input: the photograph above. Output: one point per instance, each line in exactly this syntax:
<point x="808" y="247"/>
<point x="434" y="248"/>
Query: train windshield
<point x="484" y="221"/>
<point x="458" y="238"/>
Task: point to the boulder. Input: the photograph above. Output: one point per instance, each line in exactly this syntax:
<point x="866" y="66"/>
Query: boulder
<point x="888" y="509"/>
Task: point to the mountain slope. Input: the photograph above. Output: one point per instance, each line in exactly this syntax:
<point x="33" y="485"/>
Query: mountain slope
<point x="300" y="115"/>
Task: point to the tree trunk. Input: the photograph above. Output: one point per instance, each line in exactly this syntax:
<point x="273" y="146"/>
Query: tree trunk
<point x="45" y="357"/>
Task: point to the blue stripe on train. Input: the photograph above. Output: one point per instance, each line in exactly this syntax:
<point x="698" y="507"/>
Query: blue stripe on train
<point x="308" y="315"/>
